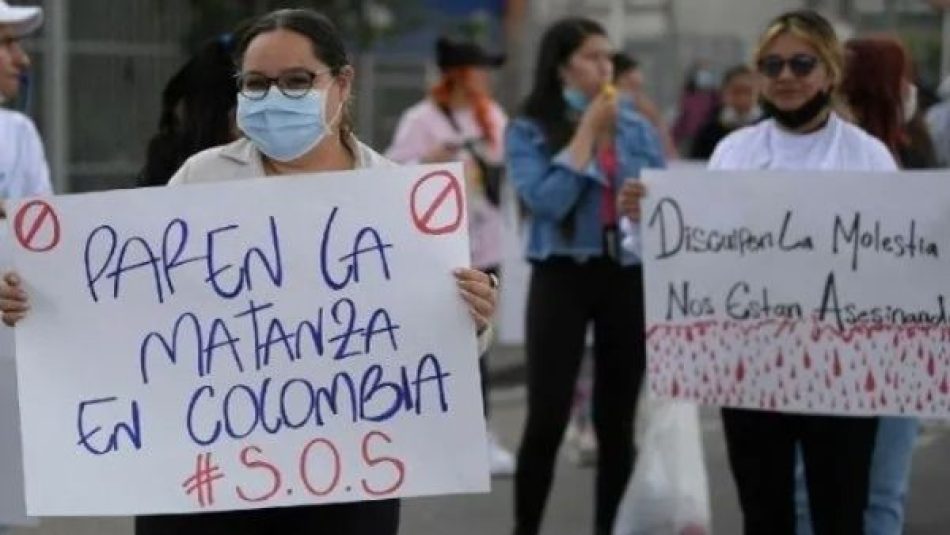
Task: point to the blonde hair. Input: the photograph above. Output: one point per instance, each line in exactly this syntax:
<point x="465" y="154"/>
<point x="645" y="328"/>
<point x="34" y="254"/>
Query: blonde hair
<point x="814" y="29"/>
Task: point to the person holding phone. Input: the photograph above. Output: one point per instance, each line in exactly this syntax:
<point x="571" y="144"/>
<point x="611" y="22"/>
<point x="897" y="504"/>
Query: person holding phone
<point x="459" y="120"/>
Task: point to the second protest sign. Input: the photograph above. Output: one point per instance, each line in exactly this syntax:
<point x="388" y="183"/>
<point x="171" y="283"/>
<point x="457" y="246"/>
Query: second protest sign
<point x="799" y="292"/>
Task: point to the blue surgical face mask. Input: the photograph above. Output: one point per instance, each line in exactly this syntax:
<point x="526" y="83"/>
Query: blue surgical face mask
<point x="576" y="99"/>
<point x="281" y="127"/>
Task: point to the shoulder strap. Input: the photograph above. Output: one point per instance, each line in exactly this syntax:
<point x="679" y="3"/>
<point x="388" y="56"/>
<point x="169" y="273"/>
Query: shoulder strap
<point x="449" y="117"/>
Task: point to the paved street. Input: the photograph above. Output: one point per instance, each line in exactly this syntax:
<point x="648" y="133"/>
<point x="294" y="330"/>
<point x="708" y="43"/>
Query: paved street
<point x="570" y="508"/>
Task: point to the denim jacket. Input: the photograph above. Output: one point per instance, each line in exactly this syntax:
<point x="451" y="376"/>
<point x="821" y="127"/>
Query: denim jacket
<point x="552" y="189"/>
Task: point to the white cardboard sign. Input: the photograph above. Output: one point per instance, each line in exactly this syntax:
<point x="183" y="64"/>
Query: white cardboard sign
<point x="799" y="292"/>
<point x="259" y="343"/>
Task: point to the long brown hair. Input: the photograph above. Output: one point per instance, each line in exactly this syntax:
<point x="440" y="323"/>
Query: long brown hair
<point x="480" y="101"/>
<point x="876" y="69"/>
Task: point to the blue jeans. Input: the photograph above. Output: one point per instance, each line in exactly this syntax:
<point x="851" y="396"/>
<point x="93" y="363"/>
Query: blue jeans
<point x="890" y="474"/>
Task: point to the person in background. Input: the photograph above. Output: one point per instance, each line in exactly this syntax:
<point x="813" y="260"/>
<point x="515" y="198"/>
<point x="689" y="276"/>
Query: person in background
<point x="459" y="120"/>
<point x="197" y="111"/>
<point x="879" y="90"/>
<point x="23" y="168"/>
<point x="294" y="82"/>
<point x="938" y="123"/>
<point x="580" y="439"/>
<point x="801" y="63"/>
<point x="698" y="102"/>
<point x="628" y="78"/>
<point x="740" y="107"/>
<point x="569" y="152"/>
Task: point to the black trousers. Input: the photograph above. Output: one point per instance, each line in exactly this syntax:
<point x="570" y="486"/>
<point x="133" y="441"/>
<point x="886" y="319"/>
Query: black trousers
<point x="483" y="359"/>
<point x="359" y="518"/>
<point x="563" y="299"/>
<point x="837" y="454"/>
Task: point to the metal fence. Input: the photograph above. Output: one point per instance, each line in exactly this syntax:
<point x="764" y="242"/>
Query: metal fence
<point x="100" y="66"/>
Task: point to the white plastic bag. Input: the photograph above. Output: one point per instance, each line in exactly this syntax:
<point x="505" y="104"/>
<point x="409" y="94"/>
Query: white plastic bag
<point x="668" y="492"/>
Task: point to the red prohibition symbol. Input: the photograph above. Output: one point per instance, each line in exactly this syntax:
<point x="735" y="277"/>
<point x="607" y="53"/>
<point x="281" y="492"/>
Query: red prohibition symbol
<point x="447" y="204"/>
<point x="30" y="219"/>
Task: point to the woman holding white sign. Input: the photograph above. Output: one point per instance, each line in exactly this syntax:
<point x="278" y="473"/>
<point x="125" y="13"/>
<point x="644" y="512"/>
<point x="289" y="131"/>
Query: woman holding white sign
<point x="801" y="64"/>
<point x="294" y="83"/>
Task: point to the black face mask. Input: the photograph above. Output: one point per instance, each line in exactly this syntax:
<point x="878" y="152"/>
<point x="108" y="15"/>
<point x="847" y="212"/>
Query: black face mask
<point x="795" y="119"/>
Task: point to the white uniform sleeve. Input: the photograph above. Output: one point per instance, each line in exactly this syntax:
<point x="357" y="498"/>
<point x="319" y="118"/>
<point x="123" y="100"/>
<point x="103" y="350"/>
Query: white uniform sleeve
<point x="881" y="159"/>
<point x="182" y="175"/>
<point x="720" y="153"/>
<point x="32" y="171"/>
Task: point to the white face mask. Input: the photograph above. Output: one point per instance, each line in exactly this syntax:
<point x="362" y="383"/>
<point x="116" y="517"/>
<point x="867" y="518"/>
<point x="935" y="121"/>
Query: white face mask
<point x="910" y="103"/>
<point x="731" y="118"/>
<point x="705" y="79"/>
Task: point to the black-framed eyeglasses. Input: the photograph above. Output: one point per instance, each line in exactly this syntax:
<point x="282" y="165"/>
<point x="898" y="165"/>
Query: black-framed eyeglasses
<point x="295" y="83"/>
<point x="801" y="65"/>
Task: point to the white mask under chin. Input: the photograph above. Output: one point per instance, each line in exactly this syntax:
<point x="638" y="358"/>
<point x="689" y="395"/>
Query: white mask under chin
<point x="909" y="107"/>
<point x="730" y="117"/>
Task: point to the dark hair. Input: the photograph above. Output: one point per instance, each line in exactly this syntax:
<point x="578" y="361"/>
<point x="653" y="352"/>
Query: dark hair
<point x="623" y="64"/>
<point x="735" y="72"/>
<point x="874" y="72"/>
<point x="196" y="112"/>
<point x="545" y="104"/>
<point x="327" y="47"/>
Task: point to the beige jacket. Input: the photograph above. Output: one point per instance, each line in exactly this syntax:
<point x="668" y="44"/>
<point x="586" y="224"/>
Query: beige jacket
<point x="241" y="160"/>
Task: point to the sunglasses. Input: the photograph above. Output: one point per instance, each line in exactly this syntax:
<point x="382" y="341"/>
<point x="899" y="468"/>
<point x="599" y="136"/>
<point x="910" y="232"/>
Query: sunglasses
<point x="801" y="65"/>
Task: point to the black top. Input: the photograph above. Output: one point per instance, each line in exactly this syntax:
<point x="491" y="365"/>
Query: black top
<point x="708" y="137"/>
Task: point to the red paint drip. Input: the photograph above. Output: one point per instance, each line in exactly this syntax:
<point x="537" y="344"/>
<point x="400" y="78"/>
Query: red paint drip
<point x="931" y="366"/>
<point x="740" y="371"/>
<point x="836" y="366"/>
<point x="779" y="360"/>
<point x="869" y="384"/>
<point x="944" y="387"/>
<point x="806" y="360"/>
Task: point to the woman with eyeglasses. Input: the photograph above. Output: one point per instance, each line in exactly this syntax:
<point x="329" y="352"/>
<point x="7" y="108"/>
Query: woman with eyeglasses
<point x="801" y="63"/>
<point x="294" y="83"/>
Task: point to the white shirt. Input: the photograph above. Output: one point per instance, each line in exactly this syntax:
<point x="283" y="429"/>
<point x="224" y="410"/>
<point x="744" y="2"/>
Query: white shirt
<point x="23" y="168"/>
<point x="240" y="160"/>
<point x="838" y="145"/>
